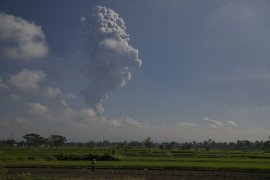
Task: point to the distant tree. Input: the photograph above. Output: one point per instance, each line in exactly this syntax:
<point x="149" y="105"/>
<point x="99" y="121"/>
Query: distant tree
<point x="162" y="146"/>
<point x="173" y="145"/>
<point x="247" y="144"/>
<point x="106" y="143"/>
<point x="126" y="149"/>
<point x="57" y="140"/>
<point x="240" y="145"/>
<point x="34" y="139"/>
<point x="21" y="143"/>
<point x="258" y="145"/>
<point x="266" y="145"/>
<point x="7" y="143"/>
<point x="135" y="144"/>
<point x="113" y="151"/>
<point x="91" y="144"/>
<point x="119" y="145"/>
<point x="231" y="145"/>
<point x="11" y="143"/>
<point x="148" y="142"/>
<point x="186" y="146"/>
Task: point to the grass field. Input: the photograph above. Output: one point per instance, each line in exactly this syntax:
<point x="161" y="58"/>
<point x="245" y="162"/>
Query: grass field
<point x="135" y="158"/>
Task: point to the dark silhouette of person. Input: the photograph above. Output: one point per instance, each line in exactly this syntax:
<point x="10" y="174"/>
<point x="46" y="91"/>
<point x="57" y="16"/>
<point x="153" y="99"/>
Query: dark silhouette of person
<point x="93" y="164"/>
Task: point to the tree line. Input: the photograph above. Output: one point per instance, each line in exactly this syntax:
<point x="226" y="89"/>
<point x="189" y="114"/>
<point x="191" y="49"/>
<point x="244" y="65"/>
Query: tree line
<point x="35" y="140"/>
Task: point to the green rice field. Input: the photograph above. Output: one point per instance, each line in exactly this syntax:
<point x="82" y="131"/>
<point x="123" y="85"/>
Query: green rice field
<point x="135" y="159"/>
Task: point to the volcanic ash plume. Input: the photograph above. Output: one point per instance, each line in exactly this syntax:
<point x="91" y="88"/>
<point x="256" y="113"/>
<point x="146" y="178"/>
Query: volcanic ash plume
<point x="105" y="42"/>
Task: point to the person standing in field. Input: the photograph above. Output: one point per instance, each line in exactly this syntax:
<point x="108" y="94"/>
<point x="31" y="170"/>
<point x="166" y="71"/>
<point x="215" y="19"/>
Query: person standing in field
<point x="93" y="164"/>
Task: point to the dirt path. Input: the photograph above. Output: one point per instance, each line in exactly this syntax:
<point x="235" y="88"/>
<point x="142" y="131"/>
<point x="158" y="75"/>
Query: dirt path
<point x="136" y="174"/>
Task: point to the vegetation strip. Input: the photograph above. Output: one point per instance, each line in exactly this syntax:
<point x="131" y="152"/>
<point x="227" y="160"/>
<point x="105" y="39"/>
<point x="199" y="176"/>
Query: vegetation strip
<point x="56" y="153"/>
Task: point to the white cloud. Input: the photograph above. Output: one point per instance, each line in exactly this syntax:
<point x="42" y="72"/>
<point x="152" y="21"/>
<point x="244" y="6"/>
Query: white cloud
<point x="217" y="122"/>
<point x="67" y="114"/>
<point x="15" y="98"/>
<point x="88" y="113"/>
<point x="206" y="119"/>
<point x="85" y="118"/>
<point x="187" y="124"/>
<point x="124" y="122"/>
<point x="213" y="123"/>
<point x="27" y="79"/>
<point x="52" y="92"/>
<point x="20" y="39"/>
<point x="232" y="123"/>
<point x="37" y="109"/>
<point x="70" y="96"/>
<point x="213" y="126"/>
<point x="84" y="124"/>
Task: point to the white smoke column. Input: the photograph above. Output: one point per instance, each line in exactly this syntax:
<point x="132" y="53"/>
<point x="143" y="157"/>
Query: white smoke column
<point x="105" y="42"/>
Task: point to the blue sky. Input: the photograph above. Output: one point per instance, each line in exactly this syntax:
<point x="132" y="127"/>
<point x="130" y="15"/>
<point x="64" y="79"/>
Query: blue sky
<point x="205" y="71"/>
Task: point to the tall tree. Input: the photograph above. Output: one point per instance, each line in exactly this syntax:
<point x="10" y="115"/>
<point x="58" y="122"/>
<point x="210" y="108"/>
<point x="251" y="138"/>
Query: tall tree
<point x="148" y="142"/>
<point x="34" y="139"/>
<point x="57" y="140"/>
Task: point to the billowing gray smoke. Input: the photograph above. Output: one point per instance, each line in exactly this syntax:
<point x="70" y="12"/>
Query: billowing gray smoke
<point x="105" y="42"/>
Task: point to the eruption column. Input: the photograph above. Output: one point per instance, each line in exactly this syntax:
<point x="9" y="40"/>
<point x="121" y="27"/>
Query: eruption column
<point x="105" y="42"/>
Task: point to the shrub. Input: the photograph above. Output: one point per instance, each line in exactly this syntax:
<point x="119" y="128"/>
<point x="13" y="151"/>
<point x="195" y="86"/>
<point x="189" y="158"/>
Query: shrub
<point x="87" y="157"/>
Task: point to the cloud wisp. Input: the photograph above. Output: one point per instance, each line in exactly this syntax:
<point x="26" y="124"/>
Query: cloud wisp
<point x="37" y="108"/>
<point x="232" y="123"/>
<point x="51" y="92"/>
<point x="188" y="124"/>
<point x="106" y="44"/>
<point x="213" y="123"/>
